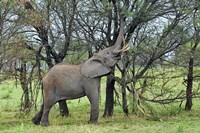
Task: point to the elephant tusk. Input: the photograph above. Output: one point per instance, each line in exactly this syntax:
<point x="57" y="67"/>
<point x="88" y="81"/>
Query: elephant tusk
<point x="125" y="48"/>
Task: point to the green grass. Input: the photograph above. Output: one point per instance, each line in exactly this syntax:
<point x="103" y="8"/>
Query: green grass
<point x="168" y="119"/>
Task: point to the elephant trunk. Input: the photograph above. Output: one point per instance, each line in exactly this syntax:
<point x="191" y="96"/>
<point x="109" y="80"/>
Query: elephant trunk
<point x="117" y="46"/>
<point x="120" y="40"/>
<point x="125" y="48"/>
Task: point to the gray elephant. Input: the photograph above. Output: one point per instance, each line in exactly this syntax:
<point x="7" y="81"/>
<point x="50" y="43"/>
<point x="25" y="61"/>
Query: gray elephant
<point x="64" y="82"/>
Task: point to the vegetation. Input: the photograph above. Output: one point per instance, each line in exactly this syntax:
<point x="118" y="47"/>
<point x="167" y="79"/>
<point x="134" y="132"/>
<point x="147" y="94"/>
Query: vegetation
<point x="169" y="118"/>
<point x="148" y="90"/>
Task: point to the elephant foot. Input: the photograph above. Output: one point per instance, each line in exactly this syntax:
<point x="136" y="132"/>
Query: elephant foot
<point x="44" y="123"/>
<point x="36" y="121"/>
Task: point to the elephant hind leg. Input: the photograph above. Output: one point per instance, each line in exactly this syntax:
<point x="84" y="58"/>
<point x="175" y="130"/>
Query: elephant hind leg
<point x="37" y="118"/>
<point x="45" y="120"/>
<point x="48" y="104"/>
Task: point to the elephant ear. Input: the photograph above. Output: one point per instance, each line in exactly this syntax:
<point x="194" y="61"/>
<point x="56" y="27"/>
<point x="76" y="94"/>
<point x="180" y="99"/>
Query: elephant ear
<point x="94" y="67"/>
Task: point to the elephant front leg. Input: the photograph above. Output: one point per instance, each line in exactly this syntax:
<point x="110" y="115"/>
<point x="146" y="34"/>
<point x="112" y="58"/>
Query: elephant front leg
<point x="92" y="92"/>
<point x="63" y="108"/>
<point x="94" y="115"/>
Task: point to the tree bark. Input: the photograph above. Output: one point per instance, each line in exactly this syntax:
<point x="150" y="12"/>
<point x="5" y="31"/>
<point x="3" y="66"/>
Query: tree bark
<point x="124" y="101"/>
<point x="109" y="104"/>
<point x="188" y="104"/>
<point x="24" y="85"/>
<point x="190" y="77"/>
<point x="50" y="52"/>
<point x="124" y="86"/>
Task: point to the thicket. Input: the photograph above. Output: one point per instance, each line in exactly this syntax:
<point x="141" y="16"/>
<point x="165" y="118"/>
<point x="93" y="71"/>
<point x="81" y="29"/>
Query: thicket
<point x="163" y="37"/>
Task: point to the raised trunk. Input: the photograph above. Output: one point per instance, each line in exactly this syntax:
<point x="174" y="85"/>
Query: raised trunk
<point x="120" y="37"/>
<point x="110" y="83"/>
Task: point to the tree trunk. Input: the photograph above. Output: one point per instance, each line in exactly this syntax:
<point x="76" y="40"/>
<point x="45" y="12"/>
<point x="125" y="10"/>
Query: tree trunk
<point x="190" y="78"/>
<point x="24" y="85"/>
<point x="43" y="34"/>
<point x="188" y="104"/>
<point x="124" y="101"/>
<point x="110" y="86"/>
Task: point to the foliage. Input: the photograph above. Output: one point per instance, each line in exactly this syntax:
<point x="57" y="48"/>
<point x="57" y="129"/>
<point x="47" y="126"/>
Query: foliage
<point x="163" y="37"/>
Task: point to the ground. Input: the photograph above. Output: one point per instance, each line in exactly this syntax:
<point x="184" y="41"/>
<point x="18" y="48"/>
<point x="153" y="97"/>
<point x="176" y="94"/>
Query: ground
<point x="169" y="119"/>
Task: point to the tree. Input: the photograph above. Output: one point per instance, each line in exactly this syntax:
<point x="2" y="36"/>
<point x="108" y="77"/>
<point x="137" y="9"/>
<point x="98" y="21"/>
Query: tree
<point x="194" y="46"/>
<point x="155" y="31"/>
<point x="52" y="31"/>
<point x="7" y="29"/>
<point x="56" y="17"/>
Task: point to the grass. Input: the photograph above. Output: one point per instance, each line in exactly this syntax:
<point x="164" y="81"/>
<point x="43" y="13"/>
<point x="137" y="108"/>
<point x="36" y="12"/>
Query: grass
<point x="168" y="119"/>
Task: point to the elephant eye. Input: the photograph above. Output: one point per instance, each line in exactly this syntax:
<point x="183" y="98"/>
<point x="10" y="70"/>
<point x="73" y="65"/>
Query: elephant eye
<point x="108" y="53"/>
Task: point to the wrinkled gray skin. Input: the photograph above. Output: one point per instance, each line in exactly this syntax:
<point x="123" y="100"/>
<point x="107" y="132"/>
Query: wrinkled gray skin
<point x="64" y="82"/>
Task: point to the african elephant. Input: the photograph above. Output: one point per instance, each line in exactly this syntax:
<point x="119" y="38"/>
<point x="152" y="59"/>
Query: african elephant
<point x="64" y="82"/>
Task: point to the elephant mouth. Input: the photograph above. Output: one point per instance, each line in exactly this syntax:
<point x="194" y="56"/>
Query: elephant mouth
<point x="124" y="49"/>
<point x="117" y="56"/>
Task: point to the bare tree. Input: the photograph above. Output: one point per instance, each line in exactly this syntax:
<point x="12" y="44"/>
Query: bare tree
<point x="52" y="22"/>
<point x="194" y="46"/>
<point x="50" y="31"/>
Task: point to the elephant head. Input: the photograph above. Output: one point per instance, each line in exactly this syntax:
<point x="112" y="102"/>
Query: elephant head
<point x="100" y="63"/>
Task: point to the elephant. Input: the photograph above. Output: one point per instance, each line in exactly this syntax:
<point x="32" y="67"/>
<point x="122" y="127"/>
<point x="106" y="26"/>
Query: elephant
<point x="65" y="81"/>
